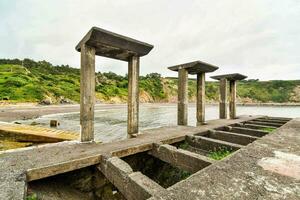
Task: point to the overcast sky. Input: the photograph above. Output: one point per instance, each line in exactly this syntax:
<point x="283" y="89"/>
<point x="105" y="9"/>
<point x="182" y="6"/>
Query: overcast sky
<point x="258" y="38"/>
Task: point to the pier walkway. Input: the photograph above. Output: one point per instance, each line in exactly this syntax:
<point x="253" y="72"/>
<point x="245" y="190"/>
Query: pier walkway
<point x="246" y="174"/>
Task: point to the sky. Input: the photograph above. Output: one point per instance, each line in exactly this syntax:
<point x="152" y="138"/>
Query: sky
<point x="258" y="38"/>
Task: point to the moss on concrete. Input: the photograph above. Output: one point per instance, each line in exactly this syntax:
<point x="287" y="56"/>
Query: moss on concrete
<point x="219" y="154"/>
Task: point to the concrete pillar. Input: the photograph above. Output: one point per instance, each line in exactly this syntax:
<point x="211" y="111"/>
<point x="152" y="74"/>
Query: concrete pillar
<point x="133" y="96"/>
<point x="232" y="102"/>
<point x="87" y="93"/>
<point x="200" y="104"/>
<point x="182" y="97"/>
<point x="223" y="98"/>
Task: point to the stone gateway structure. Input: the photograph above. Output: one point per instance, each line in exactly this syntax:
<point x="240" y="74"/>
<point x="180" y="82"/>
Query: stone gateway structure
<point x="101" y="42"/>
<point x="232" y="78"/>
<point x="199" y="68"/>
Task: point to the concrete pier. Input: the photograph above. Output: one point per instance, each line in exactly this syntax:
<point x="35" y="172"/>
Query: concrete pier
<point x="108" y="44"/>
<point x="224" y="79"/>
<point x="199" y="68"/>
<point x="247" y="160"/>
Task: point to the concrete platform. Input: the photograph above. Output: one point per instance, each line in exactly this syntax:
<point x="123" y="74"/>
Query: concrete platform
<point x="247" y="174"/>
<point x="268" y="168"/>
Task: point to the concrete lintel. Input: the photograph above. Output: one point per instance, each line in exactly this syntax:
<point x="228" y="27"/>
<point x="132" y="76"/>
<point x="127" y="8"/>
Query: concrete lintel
<point x="113" y="45"/>
<point x="230" y="77"/>
<point x="231" y="137"/>
<point x="208" y="144"/>
<point x="180" y="158"/>
<point x="195" y="67"/>
<point x="247" y="131"/>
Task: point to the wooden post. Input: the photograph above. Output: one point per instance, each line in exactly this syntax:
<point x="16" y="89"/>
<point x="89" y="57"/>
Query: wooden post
<point x="133" y="96"/>
<point x="200" y="104"/>
<point x="232" y="103"/>
<point x="182" y="97"/>
<point x="87" y="93"/>
<point x="223" y="98"/>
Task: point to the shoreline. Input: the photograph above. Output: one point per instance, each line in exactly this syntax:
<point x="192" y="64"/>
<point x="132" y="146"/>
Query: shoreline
<point x="25" y="105"/>
<point x="13" y="112"/>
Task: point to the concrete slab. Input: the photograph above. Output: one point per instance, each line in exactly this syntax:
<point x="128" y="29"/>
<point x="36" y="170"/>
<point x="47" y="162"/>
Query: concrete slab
<point x="113" y="45"/>
<point x="195" y="67"/>
<point x="230" y="77"/>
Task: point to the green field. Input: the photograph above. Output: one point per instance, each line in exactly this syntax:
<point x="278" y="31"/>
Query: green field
<point x="31" y="81"/>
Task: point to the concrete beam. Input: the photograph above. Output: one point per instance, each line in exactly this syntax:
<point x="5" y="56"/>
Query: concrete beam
<point x="247" y="131"/>
<point x="143" y="187"/>
<point x="254" y="126"/>
<point x="47" y="171"/>
<point x="200" y="103"/>
<point x="265" y="123"/>
<point x="180" y="158"/>
<point x="223" y="99"/>
<point x="87" y="93"/>
<point x="133" y="185"/>
<point x="133" y="96"/>
<point x="232" y="101"/>
<point x="208" y="144"/>
<point x="182" y="117"/>
<point x="271" y="121"/>
<point x="231" y="137"/>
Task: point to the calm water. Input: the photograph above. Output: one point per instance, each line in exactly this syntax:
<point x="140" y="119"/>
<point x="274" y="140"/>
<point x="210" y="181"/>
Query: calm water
<point x="111" y="125"/>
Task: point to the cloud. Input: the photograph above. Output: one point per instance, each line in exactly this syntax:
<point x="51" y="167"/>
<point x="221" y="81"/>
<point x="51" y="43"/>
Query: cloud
<point x="259" y="38"/>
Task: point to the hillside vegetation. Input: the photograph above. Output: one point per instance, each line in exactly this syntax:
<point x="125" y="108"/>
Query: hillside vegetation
<point x="30" y="81"/>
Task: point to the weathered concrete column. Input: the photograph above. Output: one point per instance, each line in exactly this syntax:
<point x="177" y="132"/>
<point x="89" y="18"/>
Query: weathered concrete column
<point x="223" y="99"/>
<point x="87" y="93"/>
<point x="182" y="117"/>
<point x="200" y="103"/>
<point x="232" y="78"/>
<point x="133" y="95"/>
<point x="232" y="101"/>
<point x="199" y="68"/>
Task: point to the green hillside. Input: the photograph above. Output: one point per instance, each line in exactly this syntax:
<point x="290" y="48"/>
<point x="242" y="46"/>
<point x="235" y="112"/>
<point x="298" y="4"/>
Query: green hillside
<point x="30" y="81"/>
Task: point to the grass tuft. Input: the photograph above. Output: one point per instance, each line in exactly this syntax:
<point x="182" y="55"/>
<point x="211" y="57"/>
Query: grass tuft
<point x="32" y="197"/>
<point x="219" y="154"/>
<point x="267" y="129"/>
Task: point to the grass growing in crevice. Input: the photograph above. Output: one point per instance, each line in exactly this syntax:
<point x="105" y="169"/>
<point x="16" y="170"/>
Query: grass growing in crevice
<point x="184" y="145"/>
<point x="268" y="129"/>
<point x="32" y="197"/>
<point x="220" y="153"/>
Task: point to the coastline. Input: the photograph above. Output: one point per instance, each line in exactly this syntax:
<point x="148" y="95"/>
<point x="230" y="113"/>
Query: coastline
<point x="24" y="111"/>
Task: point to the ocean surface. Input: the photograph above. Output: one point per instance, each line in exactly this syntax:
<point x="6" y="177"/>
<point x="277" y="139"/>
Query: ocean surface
<point x="111" y="122"/>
